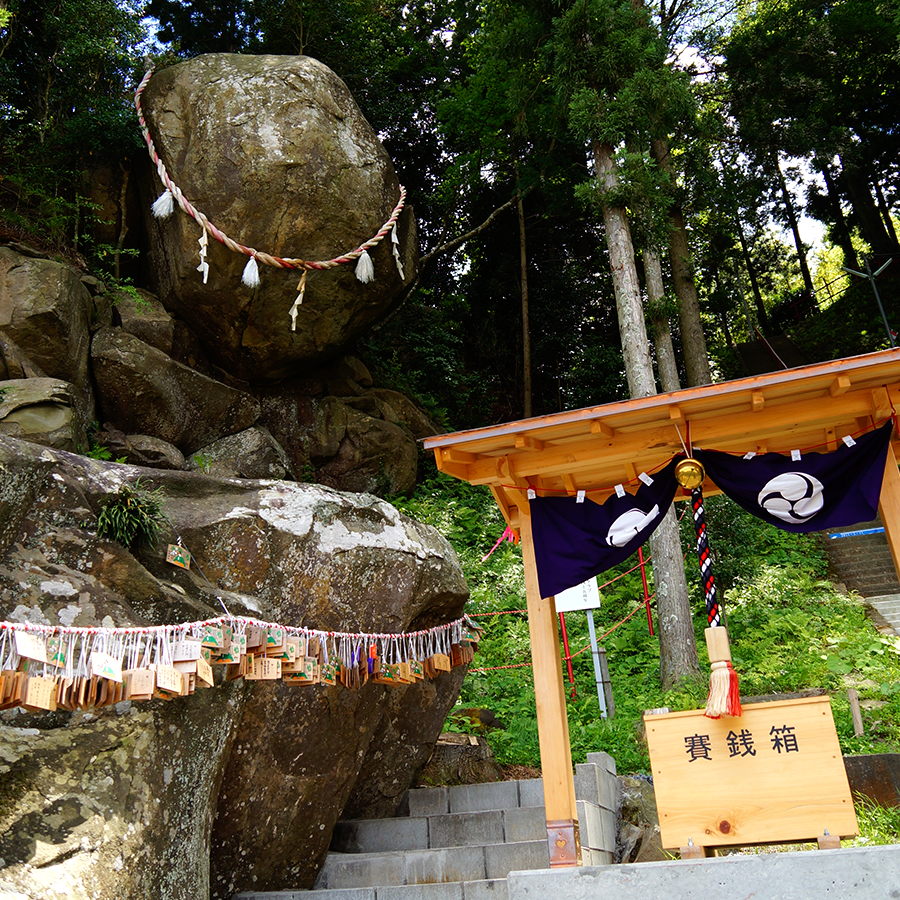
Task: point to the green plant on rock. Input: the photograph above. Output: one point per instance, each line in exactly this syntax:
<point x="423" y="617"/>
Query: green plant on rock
<point x="203" y="462"/>
<point x="131" y="515"/>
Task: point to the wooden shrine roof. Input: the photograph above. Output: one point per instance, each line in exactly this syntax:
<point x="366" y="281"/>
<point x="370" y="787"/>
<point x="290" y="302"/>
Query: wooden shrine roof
<point x="595" y="448"/>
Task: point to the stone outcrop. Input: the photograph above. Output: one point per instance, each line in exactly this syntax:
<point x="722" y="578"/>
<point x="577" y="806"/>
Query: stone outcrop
<point x="44" y="312"/>
<point x="41" y="410"/>
<point x="252" y="453"/>
<point x="214" y="792"/>
<point x="144" y="391"/>
<point x="276" y="153"/>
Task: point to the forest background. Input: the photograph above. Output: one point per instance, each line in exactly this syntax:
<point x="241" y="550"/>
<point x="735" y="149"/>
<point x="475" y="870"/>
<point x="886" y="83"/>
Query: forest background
<point x="584" y="173"/>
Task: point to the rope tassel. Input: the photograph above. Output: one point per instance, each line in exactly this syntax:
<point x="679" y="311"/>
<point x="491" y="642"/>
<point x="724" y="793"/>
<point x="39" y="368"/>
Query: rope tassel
<point x="365" y="269"/>
<point x="164" y="205"/>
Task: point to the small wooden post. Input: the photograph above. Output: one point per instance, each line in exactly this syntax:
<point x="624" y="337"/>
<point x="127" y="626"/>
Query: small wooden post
<point x="855" y="711"/>
<point x="829" y="841"/>
<point x="553" y="725"/>
<point x="889" y="506"/>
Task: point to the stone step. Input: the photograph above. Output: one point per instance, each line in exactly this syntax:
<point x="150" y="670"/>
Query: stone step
<point x="417" y="867"/>
<point x="450" y="830"/>
<point x="466" y="798"/>
<point x="485" y="889"/>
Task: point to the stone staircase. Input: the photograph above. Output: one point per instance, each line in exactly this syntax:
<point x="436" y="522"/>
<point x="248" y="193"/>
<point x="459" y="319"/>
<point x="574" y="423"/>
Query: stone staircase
<point x="865" y="565"/>
<point x="863" y="562"/>
<point x="460" y="843"/>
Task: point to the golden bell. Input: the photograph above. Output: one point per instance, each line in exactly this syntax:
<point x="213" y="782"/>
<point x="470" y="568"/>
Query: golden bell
<point x="689" y="473"/>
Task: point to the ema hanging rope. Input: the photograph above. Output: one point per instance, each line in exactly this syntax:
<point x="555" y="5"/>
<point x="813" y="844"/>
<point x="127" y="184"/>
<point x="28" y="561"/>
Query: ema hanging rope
<point x="172" y="195"/>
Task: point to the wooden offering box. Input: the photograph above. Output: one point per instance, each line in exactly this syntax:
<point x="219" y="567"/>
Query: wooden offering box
<point x="774" y="775"/>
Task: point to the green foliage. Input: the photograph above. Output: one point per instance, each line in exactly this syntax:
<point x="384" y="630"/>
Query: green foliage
<point x="877" y="824"/>
<point x="203" y="462"/>
<point x="790" y="629"/>
<point x="131" y="515"/>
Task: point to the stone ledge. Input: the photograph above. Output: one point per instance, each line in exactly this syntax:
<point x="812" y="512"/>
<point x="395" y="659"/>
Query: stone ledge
<point x="866" y="873"/>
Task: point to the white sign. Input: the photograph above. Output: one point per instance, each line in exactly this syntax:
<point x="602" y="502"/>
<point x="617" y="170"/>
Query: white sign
<point x="582" y="596"/>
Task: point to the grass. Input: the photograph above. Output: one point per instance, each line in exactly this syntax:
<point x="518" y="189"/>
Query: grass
<point x="791" y="630"/>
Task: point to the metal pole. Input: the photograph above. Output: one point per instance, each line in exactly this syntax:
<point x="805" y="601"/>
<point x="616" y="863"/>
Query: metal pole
<point x="872" y="276"/>
<point x="598" y="671"/>
<point x="565" y="637"/>
<point x="646" y="591"/>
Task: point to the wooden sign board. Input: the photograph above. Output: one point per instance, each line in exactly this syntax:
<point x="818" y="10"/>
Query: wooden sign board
<point x="774" y="775"/>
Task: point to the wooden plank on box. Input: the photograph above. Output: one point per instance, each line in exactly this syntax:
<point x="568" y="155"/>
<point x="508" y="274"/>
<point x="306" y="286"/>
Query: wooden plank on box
<point x="774" y="775"/>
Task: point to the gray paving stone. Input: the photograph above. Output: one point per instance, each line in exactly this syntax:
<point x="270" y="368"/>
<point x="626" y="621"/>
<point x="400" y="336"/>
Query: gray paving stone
<point x="528" y="823"/>
<point x="429" y="801"/>
<point x="610" y="823"/>
<point x="501" y="859"/>
<point x="465" y="829"/>
<point x="478" y="797"/>
<point x="604" y="760"/>
<point x="378" y="835"/>
<point x="587" y="782"/>
<point x="859" y="873"/>
<point x="590" y="825"/>
<point x="531" y="792"/>
<point x="442" y="891"/>
<point x="355" y="870"/>
<point x="490" y="889"/>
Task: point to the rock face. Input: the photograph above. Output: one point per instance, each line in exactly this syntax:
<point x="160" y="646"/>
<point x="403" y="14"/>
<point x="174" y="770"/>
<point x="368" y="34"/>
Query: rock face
<point x="236" y="787"/>
<point x="144" y="391"/>
<point x="41" y="410"/>
<point x="44" y="310"/>
<point x="276" y="154"/>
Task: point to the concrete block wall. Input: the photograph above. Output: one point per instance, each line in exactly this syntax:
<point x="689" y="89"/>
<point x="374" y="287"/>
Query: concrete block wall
<point x="597" y="801"/>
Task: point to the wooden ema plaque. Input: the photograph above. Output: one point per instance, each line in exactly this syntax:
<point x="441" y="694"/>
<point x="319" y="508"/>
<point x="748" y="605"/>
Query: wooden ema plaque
<point x="774" y="775"/>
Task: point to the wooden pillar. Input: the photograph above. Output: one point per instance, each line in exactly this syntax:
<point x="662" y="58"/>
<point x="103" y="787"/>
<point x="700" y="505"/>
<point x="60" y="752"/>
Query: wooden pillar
<point x="553" y="725"/>
<point x="889" y="506"/>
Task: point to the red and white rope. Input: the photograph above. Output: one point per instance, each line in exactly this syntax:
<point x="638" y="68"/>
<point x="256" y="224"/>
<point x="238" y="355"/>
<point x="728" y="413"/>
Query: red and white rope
<point x="259" y="255"/>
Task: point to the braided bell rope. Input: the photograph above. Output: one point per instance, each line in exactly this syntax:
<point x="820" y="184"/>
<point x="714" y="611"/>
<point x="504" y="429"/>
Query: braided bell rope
<point x="259" y="255"/>
<point x="706" y="575"/>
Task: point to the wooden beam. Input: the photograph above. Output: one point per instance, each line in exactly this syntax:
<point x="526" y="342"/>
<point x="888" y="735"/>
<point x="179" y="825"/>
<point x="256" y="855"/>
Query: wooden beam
<point x="553" y="729"/>
<point x="601" y="428"/>
<point x="451" y="454"/>
<point x="675" y="415"/>
<point x="569" y="483"/>
<point x="889" y="506"/>
<point x="757" y="401"/>
<point x="781" y="426"/>
<point x="881" y="403"/>
<point x="525" y="442"/>
<point x="830" y="440"/>
<point x="839" y="386"/>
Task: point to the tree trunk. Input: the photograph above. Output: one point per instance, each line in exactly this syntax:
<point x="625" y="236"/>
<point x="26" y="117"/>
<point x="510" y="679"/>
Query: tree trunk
<point x="840" y="223"/>
<point x="754" y="284"/>
<point x="632" y="331"/>
<point x="885" y="211"/>
<point x="677" y="647"/>
<point x="693" y="342"/>
<point x="659" y="324"/>
<point x="795" y="229"/>
<point x="526" y="328"/>
<point x="867" y="216"/>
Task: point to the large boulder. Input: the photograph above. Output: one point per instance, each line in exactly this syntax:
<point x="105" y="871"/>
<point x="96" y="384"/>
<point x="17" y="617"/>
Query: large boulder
<point x="41" y="410"/>
<point x="44" y="311"/>
<point x="233" y="788"/>
<point x="253" y="453"/>
<point x="144" y="391"/>
<point x="275" y="152"/>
